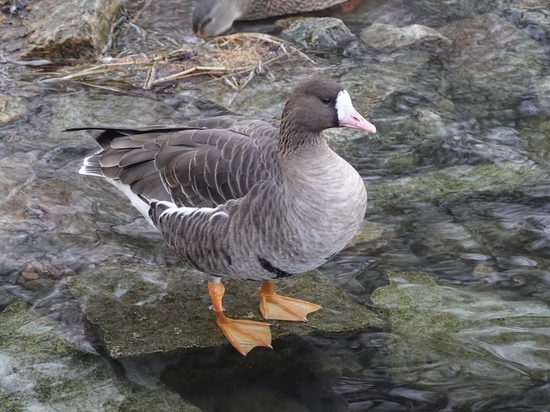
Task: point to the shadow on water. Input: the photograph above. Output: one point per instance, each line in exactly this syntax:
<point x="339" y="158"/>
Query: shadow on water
<point x="319" y="378"/>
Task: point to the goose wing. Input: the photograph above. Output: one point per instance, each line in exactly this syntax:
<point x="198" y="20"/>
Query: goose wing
<point x="202" y="163"/>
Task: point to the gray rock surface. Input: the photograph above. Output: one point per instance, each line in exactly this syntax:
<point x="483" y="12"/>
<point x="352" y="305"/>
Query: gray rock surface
<point x="61" y="30"/>
<point x="490" y="73"/>
<point x="11" y="108"/>
<point x="158" y="310"/>
<point x="41" y="370"/>
<point x="387" y="38"/>
<point x="326" y="33"/>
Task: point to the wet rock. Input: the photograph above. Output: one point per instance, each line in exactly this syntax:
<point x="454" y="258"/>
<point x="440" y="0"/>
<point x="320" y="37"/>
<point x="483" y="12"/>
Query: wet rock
<point x="454" y="182"/>
<point x="462" y="144"/>
<point x="259" y="97"/>
<point x="533" y="16"/>
<point x="403" y="96"/>
<point x="491" y="65"/>
<point x="109" y="110"/>
<point x="535" y="131"/>
<point x="161" y="310"/>
<point x="327" y="33"/>
<point x="10" y="268"/>
<point x="41" y="369"/>
<point x="389" y="38"/>
<point x="74" y="29"/>
<point x="368" y="232"/>
<point x="480" y="332"/>
<point x="435" y="12"/>
<point x="6" y="299"/>
<point x="536" y="134"/>
<point x="11" y="108"/>
<point x="541" y="94"/>
<point x="379" y="83"/>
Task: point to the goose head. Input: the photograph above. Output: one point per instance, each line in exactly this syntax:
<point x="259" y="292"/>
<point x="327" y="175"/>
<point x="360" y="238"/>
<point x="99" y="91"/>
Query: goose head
<point x="316" y="105"/>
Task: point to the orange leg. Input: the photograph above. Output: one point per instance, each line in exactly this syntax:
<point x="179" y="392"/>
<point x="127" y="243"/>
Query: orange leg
<point x="279" y="307"/>
<point x="244" y="335"/>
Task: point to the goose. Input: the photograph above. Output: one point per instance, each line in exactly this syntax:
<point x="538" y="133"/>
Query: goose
<point x="213" y="17"/>
<point x="245" y="198"/>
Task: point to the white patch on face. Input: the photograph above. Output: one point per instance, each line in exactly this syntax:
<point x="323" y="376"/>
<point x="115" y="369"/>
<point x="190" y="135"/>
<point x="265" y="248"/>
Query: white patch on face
<point x="348" y="116"/>
<point x="344" y="107"/>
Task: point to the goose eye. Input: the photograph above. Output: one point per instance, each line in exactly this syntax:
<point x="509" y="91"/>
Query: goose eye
<point x="326" y="100"/>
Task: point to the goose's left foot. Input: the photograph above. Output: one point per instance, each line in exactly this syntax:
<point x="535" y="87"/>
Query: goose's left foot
<point x="244" y="335"/>
<point x="279" y="307"/>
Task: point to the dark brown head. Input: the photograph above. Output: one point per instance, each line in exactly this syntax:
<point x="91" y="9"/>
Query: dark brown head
<point x="317" y="104"/>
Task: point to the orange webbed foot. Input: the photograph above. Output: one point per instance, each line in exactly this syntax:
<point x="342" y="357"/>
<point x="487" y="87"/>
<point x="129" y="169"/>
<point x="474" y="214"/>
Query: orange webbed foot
<point x="244" y="335"/>
<point x="279" y="307"/>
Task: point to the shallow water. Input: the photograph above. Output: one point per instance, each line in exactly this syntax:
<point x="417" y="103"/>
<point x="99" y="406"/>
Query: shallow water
<point x="459" y="189"/>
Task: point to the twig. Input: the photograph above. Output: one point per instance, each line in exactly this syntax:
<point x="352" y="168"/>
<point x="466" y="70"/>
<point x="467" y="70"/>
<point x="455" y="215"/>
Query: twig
<point x="150" y="78"/>
<point x="116" y="25"/>
<point x="184" y="73"/>
<point x="140" y="11"/>
<point x="97" y="86"/>
<point x="73" y="76"/>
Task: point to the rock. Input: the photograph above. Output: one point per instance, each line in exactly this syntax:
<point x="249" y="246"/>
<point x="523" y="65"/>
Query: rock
<point x="111" y="110"/>
<point x="388" y="38"/>
<point x="436" y="12"/>
<point x="76" y="29"/>
<point x="536" y="134"/>
<point x="378" y="83"/>
<point x="161" y="310"/>
<point x="6" y="299"/>
<point x="368" y="232"/>
<point x="541" y="92"/>
<point x="491" y="65"/>
<point x="533" y="16"/>
<point x="326" y="33"/>
<point x="453" y="183"/>
<point x="11" y="108"/>
<point x="462" y="330"/>
<point x="258" y="97"/>
<point x="41" y="370"/>
<point x="10" y="267"/>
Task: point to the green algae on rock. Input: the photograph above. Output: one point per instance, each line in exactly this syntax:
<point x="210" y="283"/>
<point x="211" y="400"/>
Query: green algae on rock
<point x="163" y="310"/>
<point x="453" y="182"/>
<point x="42" y="370"/>
<point x="481" y="332"/>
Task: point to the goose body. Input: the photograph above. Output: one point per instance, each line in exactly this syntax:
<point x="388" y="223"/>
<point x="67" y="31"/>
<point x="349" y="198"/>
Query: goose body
<point x="244" y="198"/>
<point x="214" y="17"/>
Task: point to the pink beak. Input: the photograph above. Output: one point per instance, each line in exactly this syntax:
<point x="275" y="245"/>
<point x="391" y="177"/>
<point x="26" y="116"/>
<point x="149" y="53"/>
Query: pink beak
<point x="354" y="120"/>
<point x="348" y="116"/>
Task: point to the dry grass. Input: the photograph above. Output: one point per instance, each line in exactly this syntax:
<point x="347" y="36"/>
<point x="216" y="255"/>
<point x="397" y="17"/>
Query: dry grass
<point x="234" y="59"/>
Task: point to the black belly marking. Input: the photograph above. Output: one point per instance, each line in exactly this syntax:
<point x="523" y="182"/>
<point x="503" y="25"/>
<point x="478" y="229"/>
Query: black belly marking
<point x="227" y="258"/>
<point x="272" y="269"/>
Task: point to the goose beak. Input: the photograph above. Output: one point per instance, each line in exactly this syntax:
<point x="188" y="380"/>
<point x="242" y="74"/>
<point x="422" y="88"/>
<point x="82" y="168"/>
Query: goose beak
<point x="354" y="120"/>
<point x="348" y="116"/>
